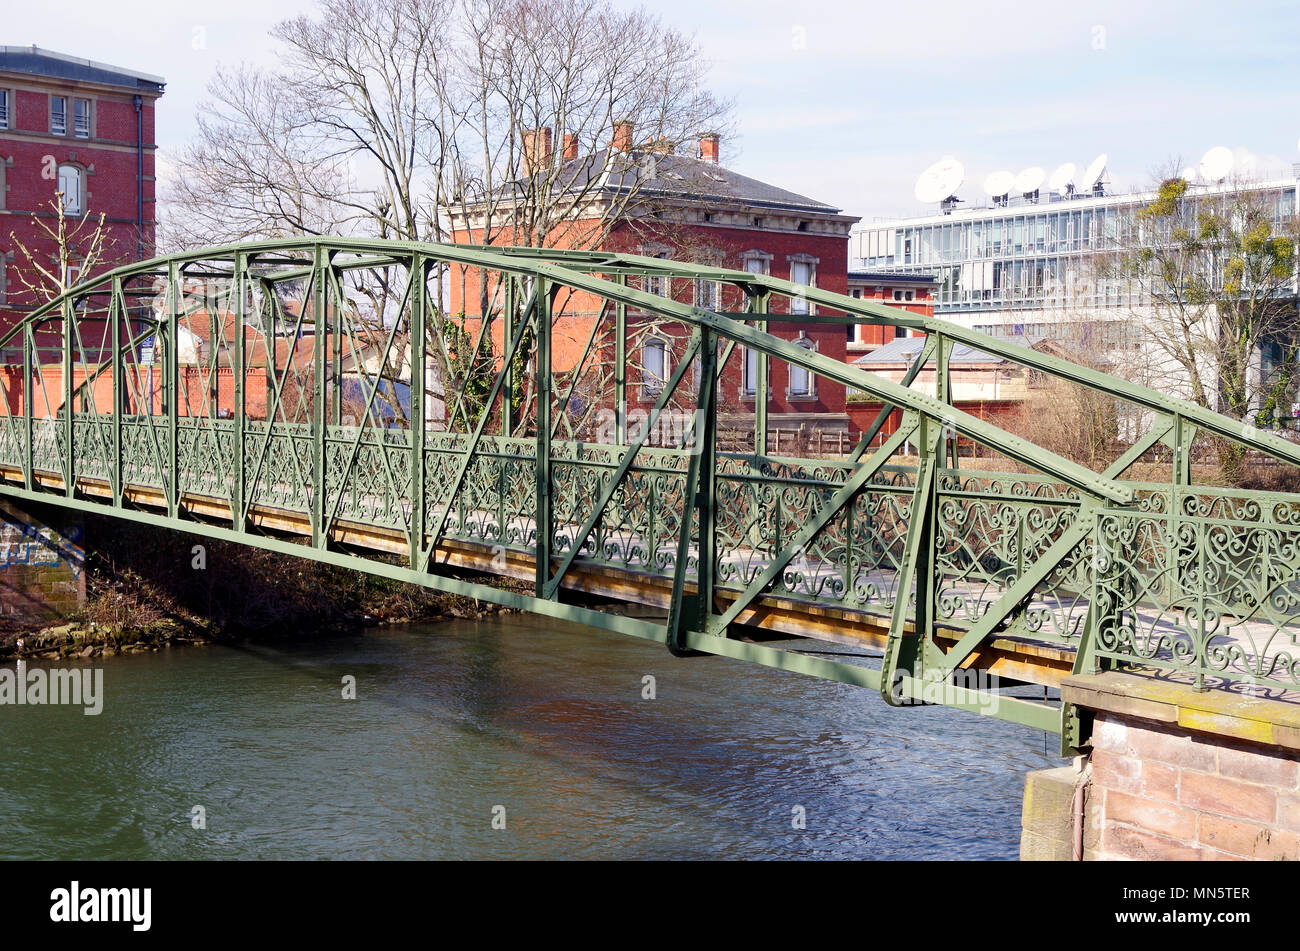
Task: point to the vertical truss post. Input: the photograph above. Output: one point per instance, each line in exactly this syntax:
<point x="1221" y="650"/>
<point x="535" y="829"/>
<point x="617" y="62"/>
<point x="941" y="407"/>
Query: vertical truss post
<point x="336" y="347"/>
<point x="418" y="321"/>
<point x="698" y="511"/>
<point x="542" y="513"/>
<point x="320" y="304"/>
<point x="620" y="368"/>
<point x="903" y="651"/>
<point x="507" y="369"/>
<point x="240" y="413"/>
<point x="28" y="387"/>
<point x="758" y="304"/>
<point x="117" y="314"/>
<point x="943" y="392"/>
<point x="69" y="466"/>
<point x="171" y="385"/>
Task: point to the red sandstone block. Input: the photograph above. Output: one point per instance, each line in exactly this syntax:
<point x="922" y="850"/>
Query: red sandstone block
<point x="1288" y="812"/>
<point x="1114" y="771"/>
<point x="1227" y="797"/>
<point x="1162" y="817"/>
<point x="1110" y="735"/>
<point x="1271" y="768"/>
<point x="1171" y="748"/>
<point x="1247" y="839"/>
<point x="1214" y="855"/>
<point x="1122" y="842"/>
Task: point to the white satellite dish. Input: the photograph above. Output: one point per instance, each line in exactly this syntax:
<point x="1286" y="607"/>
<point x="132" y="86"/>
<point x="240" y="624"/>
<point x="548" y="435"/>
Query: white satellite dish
<point x="1091" y="180"/>
<point x="939" y="181"/>
<point x="1216" y="163"/>
<point x="1189" y="175"/>
<point x="999" y="184"/>
<point x="1062" y="180"/>
<point x="1030" y="180"/>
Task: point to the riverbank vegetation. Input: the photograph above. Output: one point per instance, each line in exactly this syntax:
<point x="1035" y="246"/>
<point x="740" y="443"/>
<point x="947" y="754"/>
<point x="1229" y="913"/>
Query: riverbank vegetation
<point x="148" y="588"/>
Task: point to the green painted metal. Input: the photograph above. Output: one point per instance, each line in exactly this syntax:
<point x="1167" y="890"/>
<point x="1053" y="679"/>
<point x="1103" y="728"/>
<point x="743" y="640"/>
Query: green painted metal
<point x="1197" y="580"/>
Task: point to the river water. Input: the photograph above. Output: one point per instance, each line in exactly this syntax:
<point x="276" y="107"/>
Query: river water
<point x="461" y="728"/>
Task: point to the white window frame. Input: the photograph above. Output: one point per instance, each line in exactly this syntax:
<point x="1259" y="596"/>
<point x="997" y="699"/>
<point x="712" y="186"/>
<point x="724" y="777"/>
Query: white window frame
<point x="658" y="284"/>
<point x="708" y="294"/>
<point x="76" y="126"/>
<point x="749" y="374"/>
<point x="6" y="108"/>
<point x="80" y="208"/>
<point x="763" y="260"/>
<point x="810" y="378"/>
<point x="61" y="127"/>
<point x="651" y="385"/>
<point x="801" y="306"/>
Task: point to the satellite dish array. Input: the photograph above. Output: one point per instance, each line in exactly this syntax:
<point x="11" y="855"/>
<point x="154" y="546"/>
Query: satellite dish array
<point x="939" y="182"/>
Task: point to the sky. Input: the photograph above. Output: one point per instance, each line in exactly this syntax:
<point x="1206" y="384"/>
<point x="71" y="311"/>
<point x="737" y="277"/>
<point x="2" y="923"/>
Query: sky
<point x="847" y="102"/>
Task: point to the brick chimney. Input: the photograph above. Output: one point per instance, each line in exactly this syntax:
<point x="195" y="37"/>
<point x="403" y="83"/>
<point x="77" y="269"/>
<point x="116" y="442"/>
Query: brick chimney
<point x="570" y="146"/>
<point x="709" y="147"/>
<point x="622" y="136"/>
<point x="537" y="149"/>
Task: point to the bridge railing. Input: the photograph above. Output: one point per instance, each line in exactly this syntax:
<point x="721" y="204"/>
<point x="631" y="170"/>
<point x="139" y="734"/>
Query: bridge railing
<point x="270" y="427"/>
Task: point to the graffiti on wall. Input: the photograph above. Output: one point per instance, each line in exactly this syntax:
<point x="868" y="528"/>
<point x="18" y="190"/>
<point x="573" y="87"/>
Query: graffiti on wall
<point x="37" y="545"/>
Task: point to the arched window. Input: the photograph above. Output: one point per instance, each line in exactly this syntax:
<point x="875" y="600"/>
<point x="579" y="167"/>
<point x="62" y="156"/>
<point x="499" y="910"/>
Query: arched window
<point x="72" y="182"/>
<point x="654" y="366"/>
<point x="801" y="380"/>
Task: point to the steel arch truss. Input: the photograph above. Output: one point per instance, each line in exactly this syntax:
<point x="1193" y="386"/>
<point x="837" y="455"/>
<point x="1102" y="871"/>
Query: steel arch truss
<point x="318" y="397"/>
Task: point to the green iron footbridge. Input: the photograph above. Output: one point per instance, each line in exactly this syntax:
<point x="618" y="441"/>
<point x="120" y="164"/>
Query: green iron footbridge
<point x="316" y="397"/>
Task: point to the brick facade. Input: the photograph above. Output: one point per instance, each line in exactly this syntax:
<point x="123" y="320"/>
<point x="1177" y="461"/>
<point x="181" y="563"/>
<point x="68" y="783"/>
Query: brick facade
<point x="725" y="230"/>
<point x="107" y="159"/>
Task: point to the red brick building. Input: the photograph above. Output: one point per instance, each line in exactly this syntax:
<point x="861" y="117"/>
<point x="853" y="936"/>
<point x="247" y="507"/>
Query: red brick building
<point x="690" y="208"/>
<point x="82" y="129"/>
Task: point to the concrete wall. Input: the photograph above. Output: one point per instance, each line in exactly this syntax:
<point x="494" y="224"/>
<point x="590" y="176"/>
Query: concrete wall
<point x="42" y="563"/>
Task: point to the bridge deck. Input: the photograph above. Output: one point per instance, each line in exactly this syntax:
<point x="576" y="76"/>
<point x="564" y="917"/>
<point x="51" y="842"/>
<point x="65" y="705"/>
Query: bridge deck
<point x="1016" y="659"/>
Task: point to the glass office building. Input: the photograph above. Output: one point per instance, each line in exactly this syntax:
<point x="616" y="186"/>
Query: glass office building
<point x="1019" y="267"/>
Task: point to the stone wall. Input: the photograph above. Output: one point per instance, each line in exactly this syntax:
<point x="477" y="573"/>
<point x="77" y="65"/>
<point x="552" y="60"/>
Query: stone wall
<point x="42" y="563"/>
<point x="1160" y="791"/>
<point x="1173" y="773"/>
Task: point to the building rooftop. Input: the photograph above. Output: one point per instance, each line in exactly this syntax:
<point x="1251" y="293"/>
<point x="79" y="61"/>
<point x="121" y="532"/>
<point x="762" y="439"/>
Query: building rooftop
<point x="40" y="62"/>
<point x="657" y="174"/>
<point x="890" y="277"/>
<point x="905" y="350"/>
<point x="677" y="176"/>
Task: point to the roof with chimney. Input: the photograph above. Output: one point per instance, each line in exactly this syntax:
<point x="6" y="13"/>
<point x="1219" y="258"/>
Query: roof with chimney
<point x="40" y="62"/>
<point x="668" y="175"/>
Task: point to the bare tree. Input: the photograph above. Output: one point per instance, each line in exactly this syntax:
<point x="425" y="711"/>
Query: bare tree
<point x="428" y="119"/>
<point x="81" y="246"/>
